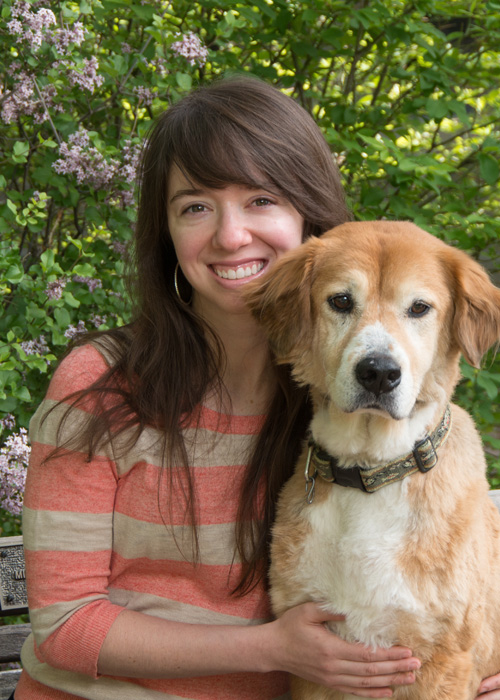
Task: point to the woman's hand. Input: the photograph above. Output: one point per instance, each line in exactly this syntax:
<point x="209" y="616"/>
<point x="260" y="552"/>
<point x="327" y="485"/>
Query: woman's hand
<point x="490" y="688"/>
<point x="308" y="649"/>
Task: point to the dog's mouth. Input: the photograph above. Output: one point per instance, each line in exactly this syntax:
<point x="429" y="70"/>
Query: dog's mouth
<point x="383" y="405"/>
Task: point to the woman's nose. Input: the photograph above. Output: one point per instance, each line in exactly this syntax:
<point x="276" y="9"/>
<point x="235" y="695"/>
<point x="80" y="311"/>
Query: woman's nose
<point x="231" y="231"/>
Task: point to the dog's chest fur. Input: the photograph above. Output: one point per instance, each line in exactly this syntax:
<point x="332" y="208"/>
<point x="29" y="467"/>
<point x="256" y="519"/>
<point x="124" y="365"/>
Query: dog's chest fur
<point x="349" y="560"/>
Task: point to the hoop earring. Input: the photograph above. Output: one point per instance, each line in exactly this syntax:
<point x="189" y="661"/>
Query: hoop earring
<point x="185" y="303"/>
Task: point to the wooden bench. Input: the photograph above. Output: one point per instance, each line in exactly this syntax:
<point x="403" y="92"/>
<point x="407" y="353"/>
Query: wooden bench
<point x="13" y="601"/>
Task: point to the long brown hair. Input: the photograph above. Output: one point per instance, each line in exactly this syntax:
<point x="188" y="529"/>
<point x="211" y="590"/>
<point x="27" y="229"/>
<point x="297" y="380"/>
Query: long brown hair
<point x="233" y="131"/>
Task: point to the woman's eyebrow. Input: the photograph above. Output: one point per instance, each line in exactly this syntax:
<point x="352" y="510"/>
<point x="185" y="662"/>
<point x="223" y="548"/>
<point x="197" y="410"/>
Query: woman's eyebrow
<point x="189" y="192"/>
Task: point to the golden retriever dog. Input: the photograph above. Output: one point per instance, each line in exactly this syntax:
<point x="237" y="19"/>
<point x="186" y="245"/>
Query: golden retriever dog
<point x="387" y="518"/>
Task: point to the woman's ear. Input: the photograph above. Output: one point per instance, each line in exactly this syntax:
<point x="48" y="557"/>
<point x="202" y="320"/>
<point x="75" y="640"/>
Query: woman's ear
<point x="281" y="301"/>
<point x="476" y="323"/>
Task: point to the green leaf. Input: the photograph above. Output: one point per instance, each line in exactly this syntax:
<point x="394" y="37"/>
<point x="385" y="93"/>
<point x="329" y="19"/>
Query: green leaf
<point x="488" y="167"/>
<point x="62" y="317"/>
<point x="14" y="274"/>
<point x="184" y="80"/>
<point x="488" y="384"/>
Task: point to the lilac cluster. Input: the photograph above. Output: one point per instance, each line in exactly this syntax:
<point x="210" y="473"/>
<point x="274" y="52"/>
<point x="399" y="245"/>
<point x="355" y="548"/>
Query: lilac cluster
<point x="29" y="26"/>
<point x="54" y="289"/>
<point x="85" y="76"/>
<point x="144" y="94"/>
<point x="97" y="321"/>
<point x="25" y="99"/>
<point x="128" y="171"/>
<point x="84" y="161"/>
<point x="72" y="332"/>
<point x="34" y="27"/>
<point x="27" y="94"/>
<point x="120" y="248"/>
<point x="62" y="38"/>
<point x="90" y="167"/>
<point x="8" y="422"/>
<point x="91" y="282"/>
<point x="14" y="457"/>
<point x="192" y="48"/>
<point x="38" y="346"/>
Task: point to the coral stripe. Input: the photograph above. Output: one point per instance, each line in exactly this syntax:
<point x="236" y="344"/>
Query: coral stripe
<point x="66" y="576"/>
<point x="69" y="482"/>
<point x="201" y="585"/>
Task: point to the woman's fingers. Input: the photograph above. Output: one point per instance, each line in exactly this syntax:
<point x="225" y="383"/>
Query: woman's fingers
<point x="315" y="653"/>
<point x="490" y="688"/>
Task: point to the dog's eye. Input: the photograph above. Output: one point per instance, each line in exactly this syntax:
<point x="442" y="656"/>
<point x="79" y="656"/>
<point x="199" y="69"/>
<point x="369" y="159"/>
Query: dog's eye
<point x="418" y="308"/>
<point x="341" y="302"/>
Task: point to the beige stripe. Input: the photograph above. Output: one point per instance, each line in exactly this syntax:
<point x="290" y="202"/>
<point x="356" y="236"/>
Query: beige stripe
<point x="174" y="610"/>
<point x="204" y="447"/>
<point x="52" y="415"/>
<point x="62" y="531"/>
<point x="47" y="620"/>
<point x="136" y="538"/>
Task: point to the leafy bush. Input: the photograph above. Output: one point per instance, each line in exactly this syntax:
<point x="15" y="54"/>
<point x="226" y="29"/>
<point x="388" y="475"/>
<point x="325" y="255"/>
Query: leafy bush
<point x="406" y="94"/>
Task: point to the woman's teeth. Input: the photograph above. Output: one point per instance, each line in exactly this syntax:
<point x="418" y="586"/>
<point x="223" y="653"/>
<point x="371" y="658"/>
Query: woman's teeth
<point x="239" y="273"/>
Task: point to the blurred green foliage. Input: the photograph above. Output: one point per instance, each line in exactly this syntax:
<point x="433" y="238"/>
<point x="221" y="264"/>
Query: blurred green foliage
<point x="406" y="92"/>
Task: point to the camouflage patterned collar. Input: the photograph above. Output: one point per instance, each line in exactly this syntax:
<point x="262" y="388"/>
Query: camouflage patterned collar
<point x="421" y="459"/>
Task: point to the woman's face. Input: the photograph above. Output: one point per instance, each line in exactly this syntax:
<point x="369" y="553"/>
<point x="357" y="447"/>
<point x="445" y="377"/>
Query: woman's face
<point x="226" y="237"/>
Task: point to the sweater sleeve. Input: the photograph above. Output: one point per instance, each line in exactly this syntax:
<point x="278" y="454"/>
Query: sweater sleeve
<point x="68" y="527"/>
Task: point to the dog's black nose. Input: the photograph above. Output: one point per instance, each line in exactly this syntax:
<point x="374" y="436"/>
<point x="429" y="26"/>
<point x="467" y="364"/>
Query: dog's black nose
<point x="378" y="374"/>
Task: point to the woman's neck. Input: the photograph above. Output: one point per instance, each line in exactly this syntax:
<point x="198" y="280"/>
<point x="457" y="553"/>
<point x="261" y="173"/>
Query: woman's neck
<point x="248" y="375"/>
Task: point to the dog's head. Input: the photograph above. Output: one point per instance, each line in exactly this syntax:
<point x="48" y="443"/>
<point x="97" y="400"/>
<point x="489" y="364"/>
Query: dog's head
<point x="374" y="315"/>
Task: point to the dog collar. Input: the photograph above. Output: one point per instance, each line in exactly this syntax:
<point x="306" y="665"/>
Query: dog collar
<point x="422" y="458"/>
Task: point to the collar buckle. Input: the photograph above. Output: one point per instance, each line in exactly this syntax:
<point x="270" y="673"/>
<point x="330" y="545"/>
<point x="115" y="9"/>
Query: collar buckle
<point x="425" y="455"/>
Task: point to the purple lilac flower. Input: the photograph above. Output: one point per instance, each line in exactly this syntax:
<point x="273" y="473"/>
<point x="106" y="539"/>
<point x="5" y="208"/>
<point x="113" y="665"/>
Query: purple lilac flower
<point x="8" y="422"/>
<point x="98" y="320"/>
<point x="120" y="248"/>
<point x="74" y="331"/>
<point x="28" y="26"/>
<point x="144" y="94"/>
<point x="62" y="38"/>
<point x="91" y="282"/>
<point x="14" y="457"/>
<point x="85" y="162"/>
<point x="54" y="289"/>
<point x="24" y="99"/>
<point x="87" y="76"/>
<point x="191" y="47"/>
<point x="37" y="346"/>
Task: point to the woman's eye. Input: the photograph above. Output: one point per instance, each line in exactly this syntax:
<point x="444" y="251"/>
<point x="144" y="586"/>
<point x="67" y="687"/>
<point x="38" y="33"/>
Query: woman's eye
<point x="262" y="201"/>
<point x="194" y="209"/>
<point x="341" y="302"/>
<point x="418" y="308"/>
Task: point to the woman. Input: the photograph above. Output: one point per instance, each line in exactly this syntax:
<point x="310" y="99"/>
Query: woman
<point x="160" y="448"/>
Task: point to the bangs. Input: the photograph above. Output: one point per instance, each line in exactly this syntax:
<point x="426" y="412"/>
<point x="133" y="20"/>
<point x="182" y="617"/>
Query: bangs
<point x="216" y="153"/>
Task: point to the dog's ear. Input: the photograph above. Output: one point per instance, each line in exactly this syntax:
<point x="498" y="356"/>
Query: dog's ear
<point x="281" y="301"/>
<point x="476" y="324"/>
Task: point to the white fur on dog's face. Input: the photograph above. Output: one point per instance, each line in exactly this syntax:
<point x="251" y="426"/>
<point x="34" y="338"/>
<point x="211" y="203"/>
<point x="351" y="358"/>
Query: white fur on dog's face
<point x="381" y="323"/>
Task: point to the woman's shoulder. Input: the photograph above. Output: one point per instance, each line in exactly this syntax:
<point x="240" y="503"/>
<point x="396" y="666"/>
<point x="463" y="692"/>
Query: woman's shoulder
<point x="84" y="365"/>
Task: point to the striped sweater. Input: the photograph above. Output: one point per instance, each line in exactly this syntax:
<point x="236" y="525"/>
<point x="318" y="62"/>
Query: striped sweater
<point x="98" y="539"/>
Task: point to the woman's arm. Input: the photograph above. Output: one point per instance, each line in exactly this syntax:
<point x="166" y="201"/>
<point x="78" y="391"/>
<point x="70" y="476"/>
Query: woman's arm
<point x="490" y="688"/>
<point x="140" y="645"/>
